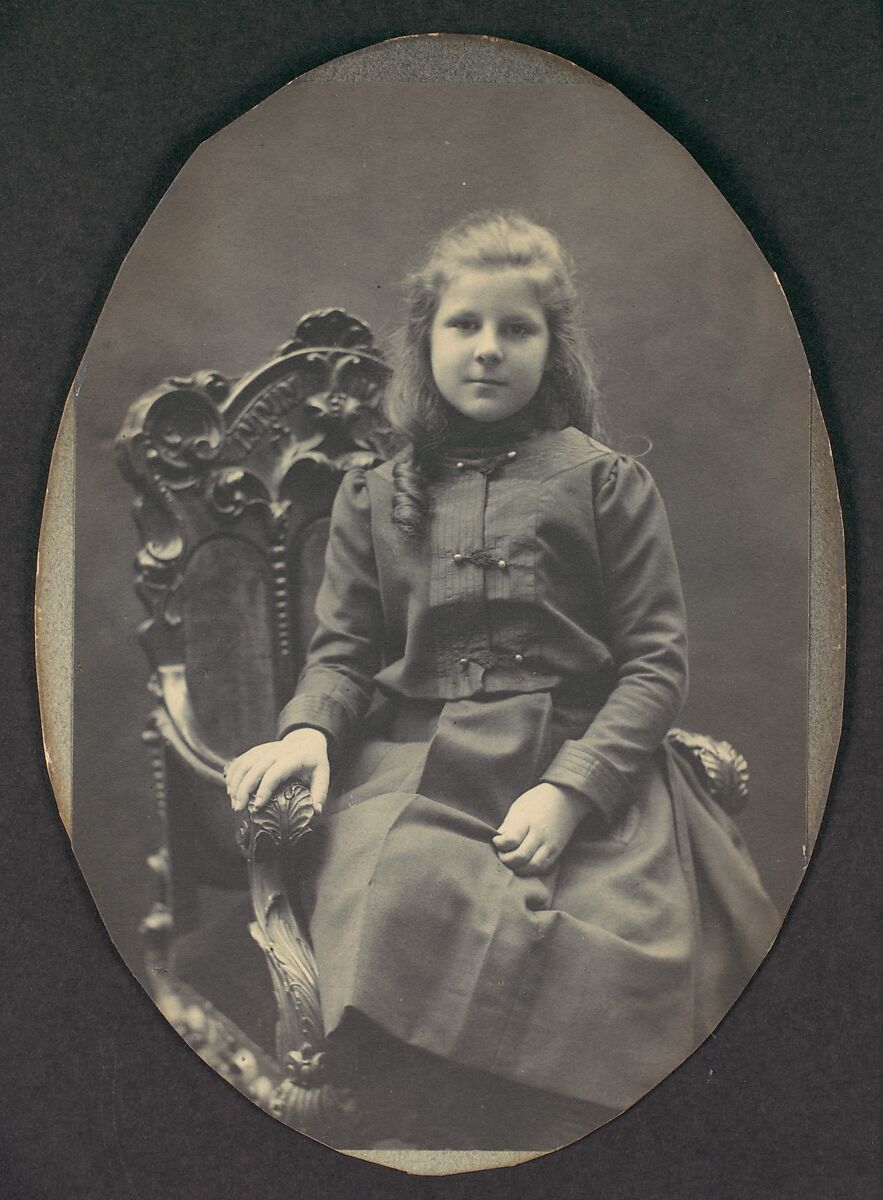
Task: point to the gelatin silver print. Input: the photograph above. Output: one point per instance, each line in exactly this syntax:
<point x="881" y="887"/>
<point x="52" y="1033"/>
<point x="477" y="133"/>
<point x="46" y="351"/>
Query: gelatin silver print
<point x="440" y="755"/>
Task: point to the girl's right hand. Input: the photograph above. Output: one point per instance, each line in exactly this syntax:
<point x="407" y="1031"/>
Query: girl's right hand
<point x="256" y="775"/>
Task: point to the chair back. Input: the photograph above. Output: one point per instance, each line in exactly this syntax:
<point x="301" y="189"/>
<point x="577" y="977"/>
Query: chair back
<point x="234" y="482"/>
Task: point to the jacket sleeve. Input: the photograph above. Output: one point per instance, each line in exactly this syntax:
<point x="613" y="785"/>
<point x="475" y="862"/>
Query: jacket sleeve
<point x="336" y="685"/>
<point x="647" y="638"/>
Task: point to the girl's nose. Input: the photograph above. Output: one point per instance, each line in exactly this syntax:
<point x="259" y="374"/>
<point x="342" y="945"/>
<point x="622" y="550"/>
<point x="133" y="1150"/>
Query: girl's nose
<point x="487" y="348"/>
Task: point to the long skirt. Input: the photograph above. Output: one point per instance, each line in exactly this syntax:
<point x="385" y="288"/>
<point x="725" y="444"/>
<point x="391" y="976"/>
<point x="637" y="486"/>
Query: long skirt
<point x="591" y="982"/>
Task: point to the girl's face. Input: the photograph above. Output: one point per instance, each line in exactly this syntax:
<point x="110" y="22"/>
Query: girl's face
<point x="489" y="343"/>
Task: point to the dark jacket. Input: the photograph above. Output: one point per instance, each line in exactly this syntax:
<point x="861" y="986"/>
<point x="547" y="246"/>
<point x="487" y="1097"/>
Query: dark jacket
<point x="547" y="566"/>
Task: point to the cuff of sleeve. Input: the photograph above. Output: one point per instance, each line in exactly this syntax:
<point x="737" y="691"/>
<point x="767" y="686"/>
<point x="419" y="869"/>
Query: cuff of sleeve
<point x="332" y="717"/>
<point x="577" y="768"/>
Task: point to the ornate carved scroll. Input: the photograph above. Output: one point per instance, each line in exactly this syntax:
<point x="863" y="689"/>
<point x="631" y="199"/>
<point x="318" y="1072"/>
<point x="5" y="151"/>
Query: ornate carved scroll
<point x="206" y="453"/>
<point x="721" y="767"/>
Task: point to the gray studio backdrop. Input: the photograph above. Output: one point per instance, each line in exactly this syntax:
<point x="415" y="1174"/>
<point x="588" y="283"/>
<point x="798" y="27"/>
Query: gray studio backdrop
<point x="325" y="195"/>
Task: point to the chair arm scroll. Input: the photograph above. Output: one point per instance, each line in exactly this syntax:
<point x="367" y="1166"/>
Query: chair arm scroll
<point x="311" y="1097"/>
<point x="721" y="768"/>
<point x="278" y="825"/>
<point x="177" y="722"/>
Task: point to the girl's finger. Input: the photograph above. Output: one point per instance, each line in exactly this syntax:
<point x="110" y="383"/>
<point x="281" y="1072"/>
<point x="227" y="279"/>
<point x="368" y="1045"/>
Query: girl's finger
<point x="544" y="860"/>
<point x="239" y="799"/>
<point x="515" y="859"/>
<point x="511" y="834"/>
<point x="319" y="784"/>
<point x="252" y="778"/>
<point x="275" y="778"/>
<point x="238" y="767"/>
<point x="232" y="774"/>
<point x="240" y="802"/>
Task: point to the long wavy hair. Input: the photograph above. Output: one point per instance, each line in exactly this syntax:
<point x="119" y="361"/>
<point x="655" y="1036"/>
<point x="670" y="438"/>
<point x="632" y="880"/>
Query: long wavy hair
<point x="567" y="394"/>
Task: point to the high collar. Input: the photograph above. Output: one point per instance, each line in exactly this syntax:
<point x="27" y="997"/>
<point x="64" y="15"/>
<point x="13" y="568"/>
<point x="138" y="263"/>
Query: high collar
<point x="477" y="438"/>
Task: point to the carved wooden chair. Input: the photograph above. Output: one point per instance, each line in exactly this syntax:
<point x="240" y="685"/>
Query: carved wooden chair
<point x="234" y="483"/>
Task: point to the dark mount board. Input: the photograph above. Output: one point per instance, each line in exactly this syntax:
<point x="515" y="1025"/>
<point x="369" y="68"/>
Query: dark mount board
<point x="103" y="105"/>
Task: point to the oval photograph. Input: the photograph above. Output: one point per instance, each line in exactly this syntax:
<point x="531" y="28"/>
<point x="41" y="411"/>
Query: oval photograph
<point x="431" y="514"/>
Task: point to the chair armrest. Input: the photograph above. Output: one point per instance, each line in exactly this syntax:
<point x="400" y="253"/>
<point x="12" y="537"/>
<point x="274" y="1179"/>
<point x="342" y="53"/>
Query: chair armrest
<point x="722" y="770"/>
<point x="312" y="1098"/>
<point x="266" y="837"/>
<point x="177" y="723"/>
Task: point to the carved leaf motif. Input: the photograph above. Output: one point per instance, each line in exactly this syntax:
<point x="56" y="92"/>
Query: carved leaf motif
<point x="331" y="327"/>
<point x="283" y="821"/>
<point x="724" y="769"/>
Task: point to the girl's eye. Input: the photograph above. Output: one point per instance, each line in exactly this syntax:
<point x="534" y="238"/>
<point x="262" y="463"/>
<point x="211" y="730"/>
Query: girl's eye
<point x="519" y="330"/>
<point x="466" y="323"/>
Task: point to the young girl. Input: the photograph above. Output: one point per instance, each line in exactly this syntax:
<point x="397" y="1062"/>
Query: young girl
<point x="524" y="911"/>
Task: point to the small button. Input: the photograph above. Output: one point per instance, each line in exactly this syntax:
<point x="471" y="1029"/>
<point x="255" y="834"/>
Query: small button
<point x="458" y="558"/>
<point x="460" y="465"/>
<point x="502" y="564"/>
<point x="519" y="658"/>
<point x="512" y="454"/>
<point x="464" y="662"/>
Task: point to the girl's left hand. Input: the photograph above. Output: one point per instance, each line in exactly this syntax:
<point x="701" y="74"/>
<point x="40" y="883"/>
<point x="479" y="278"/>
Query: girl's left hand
<point x="537" y="828"/>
